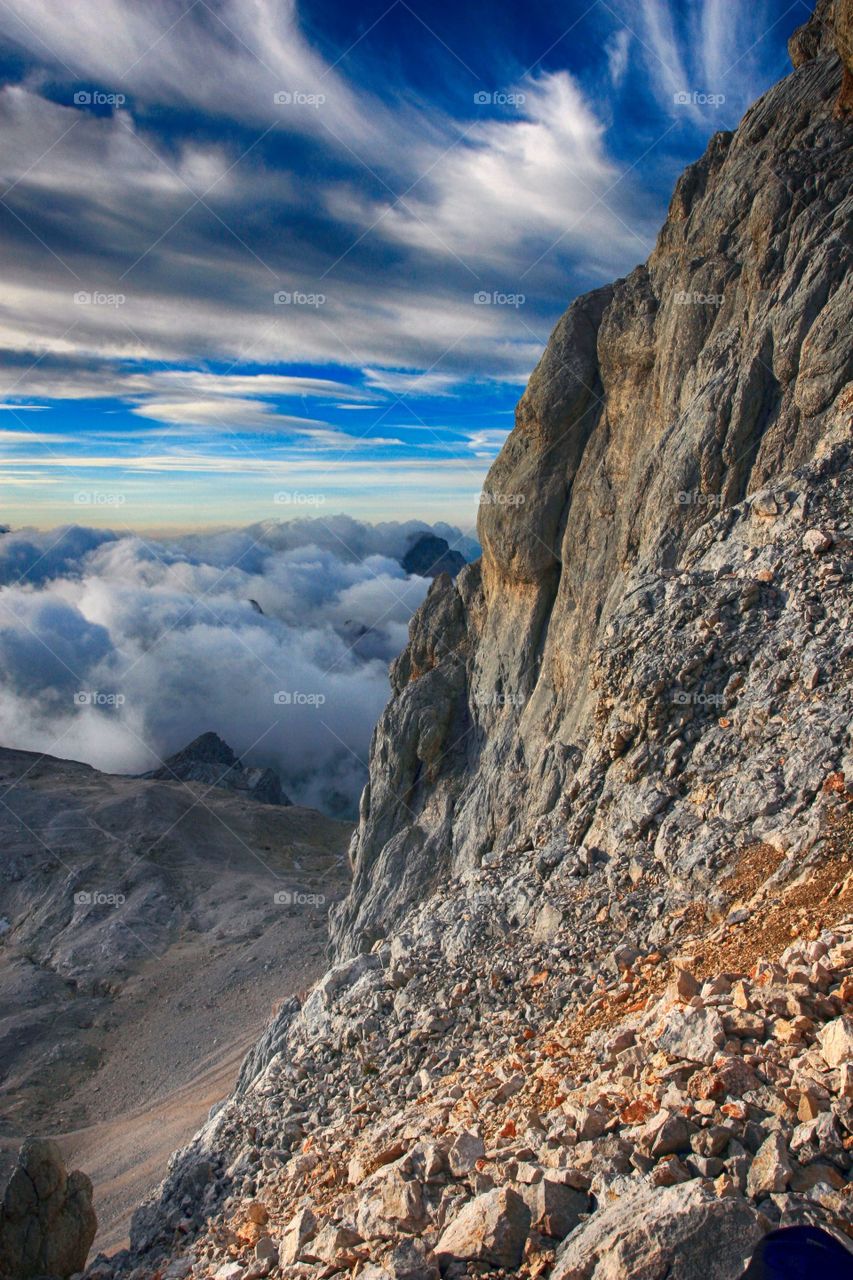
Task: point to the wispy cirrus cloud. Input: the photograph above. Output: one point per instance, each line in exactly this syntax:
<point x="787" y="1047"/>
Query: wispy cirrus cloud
<point x="244" y="217"/>
<point x="710" y="49"/>
<point x="618" y="52"/>
<point x="555" y="149"/>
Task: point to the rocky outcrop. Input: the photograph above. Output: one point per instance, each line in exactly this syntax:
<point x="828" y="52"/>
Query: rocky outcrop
<point x="645" y="478"/>
<point x="715" y="713"/>
<point x="589" y="1009"/>
<point x="830" y="27"/>
<point x="684" y="1233"/>
<point x="211" y="761"/>
<point x="47" y="1222"/>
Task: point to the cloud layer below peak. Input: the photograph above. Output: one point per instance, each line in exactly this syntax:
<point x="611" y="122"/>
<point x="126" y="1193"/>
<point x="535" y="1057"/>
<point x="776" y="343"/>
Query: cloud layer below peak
<point x="118" y="651"/>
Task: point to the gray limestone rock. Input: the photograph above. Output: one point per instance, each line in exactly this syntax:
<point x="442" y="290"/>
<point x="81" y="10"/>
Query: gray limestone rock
<point x="641" y="549"/>
<point x="490" y="1229"/>
<point x="683" y="1232"/>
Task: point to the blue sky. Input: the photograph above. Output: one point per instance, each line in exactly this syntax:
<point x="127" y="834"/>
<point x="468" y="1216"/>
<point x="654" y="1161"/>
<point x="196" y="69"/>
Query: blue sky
<point x="263" y="258"/>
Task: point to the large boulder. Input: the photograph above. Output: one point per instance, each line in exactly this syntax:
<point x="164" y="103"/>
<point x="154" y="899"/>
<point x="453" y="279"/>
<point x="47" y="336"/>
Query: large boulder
<point x="770" y="1171"/>
<point x="693" y="1035"/>
<point x="47" y="1221"/>
<point x="555" y="1209"/>
<point x="683" y="1233"/>
<point x="391" y="1203"/>
<point x="491" y="1229"/>
<point x="836" y="1042"/>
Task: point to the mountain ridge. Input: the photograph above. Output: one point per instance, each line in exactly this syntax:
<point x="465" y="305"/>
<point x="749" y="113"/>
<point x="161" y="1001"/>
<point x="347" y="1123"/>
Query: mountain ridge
<point x="590" y="1008"/>
<point x="664" y="399"/>
<point x="209" y="760"/>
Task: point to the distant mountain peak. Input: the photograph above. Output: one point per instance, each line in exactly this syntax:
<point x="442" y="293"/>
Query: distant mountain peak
<point x="429" y="555"/>
<point x="207" y="748"/>
<point x="208" y="759"/>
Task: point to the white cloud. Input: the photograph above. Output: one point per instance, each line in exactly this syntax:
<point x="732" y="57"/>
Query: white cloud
<point x="511" y="182"/>
<point x="25" y="437"/>
<point x="714" y="49"/>
<point x="618" y="51"/>
<point x="198" y="280"/>
<point x="488" y="442"/>
<point x="228" y="60"/>
<point x="227" y="412"/>
<point x="404" y="382"/>
<point x="661" y="44"/>
<point x="260" y="384"/>
<point x="170" y="627"/>
<point x="109" y="202"/>
<point x="219" y="402"/>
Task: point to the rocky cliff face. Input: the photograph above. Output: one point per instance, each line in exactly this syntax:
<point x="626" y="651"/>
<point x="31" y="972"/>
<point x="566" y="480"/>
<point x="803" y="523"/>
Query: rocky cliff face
<point x="529" y="694"/>
<point x="591" y="1011"/>
<point x="830" y="28"/>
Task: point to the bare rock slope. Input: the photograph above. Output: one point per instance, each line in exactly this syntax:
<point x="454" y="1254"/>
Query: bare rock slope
<point x="646" y="471"/>
<point x="570" y="1062"/>
<point x="591" y="1012"/>
<point x="148" y="928"/>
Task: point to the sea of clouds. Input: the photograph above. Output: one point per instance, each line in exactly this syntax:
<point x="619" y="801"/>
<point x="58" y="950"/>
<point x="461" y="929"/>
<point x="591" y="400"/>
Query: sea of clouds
<point x="119" y="649"/>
